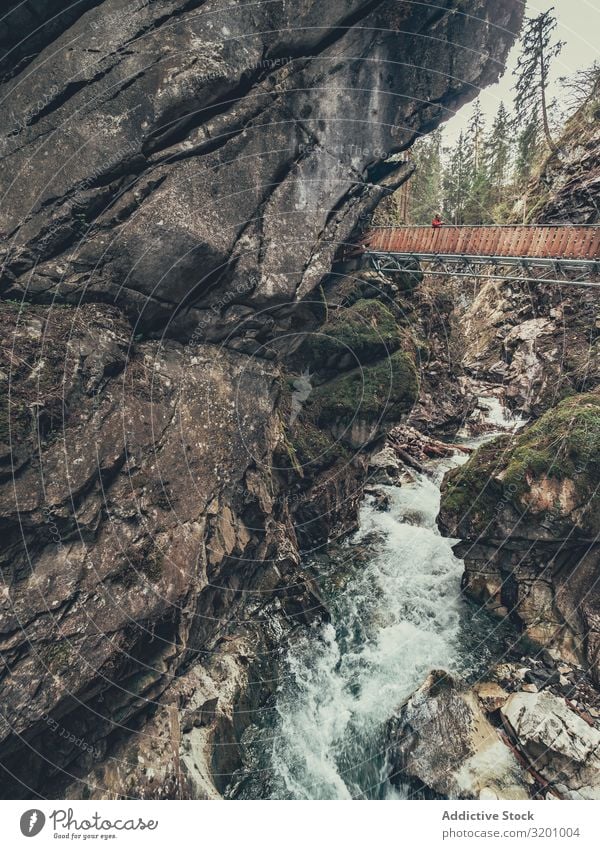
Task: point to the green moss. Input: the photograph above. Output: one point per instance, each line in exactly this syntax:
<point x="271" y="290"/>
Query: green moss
<point x="382" y="391"/>
<point x="366" y="330"/>
<point x="305" y="447"/>
<point x="471" y="489"/>
<point x="313" y="445"/>
<point x="563" y="444"/>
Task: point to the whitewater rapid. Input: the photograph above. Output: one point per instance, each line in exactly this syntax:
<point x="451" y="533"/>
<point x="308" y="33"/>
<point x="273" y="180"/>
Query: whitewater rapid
<point x="396" y="613"/>
<point x="393" y="591"/>
<point x="397" y="616"/>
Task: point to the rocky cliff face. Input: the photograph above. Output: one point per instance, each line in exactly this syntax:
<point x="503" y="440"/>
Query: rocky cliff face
<point x="176" y="180"/>
<point x="526" y="510"/>
<point x="570" y="179"/>
<point x="118" y="162"/>
<point x="541" y="341"/>
<point x="524" y="507"/>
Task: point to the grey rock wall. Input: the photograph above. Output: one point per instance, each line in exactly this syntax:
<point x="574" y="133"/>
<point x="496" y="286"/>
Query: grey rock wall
<point x="173" y="169"/>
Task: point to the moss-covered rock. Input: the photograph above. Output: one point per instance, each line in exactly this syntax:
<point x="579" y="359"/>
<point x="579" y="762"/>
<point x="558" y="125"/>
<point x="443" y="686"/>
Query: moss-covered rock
<point x="473" y="490"/>
<point x="305" y="448"/>
<point x="314" y="445"/>
<point x="563" y="443"/>
<point x="527" y="511"/>
<point x="361" y="333"/>
<point x="377" y="395"/>
<point x="551" y="468"/>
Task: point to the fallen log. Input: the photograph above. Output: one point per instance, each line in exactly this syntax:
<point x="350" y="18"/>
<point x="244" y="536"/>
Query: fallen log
<point x="410" y="461"/>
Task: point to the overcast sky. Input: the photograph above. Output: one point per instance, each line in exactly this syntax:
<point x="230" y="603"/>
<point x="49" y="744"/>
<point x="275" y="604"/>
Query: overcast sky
<point x="578" y="26"/>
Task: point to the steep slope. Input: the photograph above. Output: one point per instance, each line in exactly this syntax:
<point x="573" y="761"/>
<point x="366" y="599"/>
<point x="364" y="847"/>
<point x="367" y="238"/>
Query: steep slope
<point x="523" y="508"/>
<point x="176" y="178"/>
<point x="570" y="179"/>
<point x="541" y="341"/>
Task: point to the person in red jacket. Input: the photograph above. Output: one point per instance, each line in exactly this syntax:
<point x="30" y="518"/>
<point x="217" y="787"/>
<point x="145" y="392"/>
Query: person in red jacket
<point x="437" y="222"/>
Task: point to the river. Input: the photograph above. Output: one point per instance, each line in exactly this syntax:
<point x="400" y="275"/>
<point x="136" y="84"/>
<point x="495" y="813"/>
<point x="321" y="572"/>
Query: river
<point x="397" y="612"/>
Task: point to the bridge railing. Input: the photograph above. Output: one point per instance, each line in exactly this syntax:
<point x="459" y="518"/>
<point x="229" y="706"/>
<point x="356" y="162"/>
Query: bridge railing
<point x="477" y="226"/>
<point x="517" y="241"/>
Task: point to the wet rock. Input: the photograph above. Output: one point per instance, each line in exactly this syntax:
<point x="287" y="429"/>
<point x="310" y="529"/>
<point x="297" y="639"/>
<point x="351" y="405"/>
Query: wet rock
<point x="442" y="740"/>
<point x="509" y="672"/>
<point x="380" y="499"/>
<point x="384" y="467"/>
<point x="558" y="743"/>
<point x="541" y="679"/>
<point x="491" y="695"/>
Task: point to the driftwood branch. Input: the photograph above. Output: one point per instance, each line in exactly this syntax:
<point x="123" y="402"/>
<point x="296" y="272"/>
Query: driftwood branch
<point x="415" y="448"/>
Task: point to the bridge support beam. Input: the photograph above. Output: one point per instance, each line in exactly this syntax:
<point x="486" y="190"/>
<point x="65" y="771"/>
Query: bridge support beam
<point x="561" y="272"/>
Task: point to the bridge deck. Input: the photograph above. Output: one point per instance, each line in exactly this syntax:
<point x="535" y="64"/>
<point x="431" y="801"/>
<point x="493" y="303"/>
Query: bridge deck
<point x="518" y="242"/>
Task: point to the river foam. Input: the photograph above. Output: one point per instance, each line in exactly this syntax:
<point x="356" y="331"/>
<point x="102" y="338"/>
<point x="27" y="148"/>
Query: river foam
<point x="397" y="615"/>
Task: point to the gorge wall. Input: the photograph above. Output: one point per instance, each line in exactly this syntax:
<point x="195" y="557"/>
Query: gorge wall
<point x="176" y="179"/>
<point x="526" y="507"/>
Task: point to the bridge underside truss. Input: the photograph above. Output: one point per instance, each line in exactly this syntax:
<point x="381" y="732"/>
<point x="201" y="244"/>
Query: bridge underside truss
<point x="564" y="272"/>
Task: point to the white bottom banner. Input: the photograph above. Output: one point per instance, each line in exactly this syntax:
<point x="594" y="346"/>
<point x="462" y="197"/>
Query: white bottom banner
<point x="270" y="825"/>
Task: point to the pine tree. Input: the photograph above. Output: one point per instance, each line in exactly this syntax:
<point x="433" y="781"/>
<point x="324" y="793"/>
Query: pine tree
<point x="537" y="52"/>
<point x="498" y="145"/>
<point x="528" y="151"/>
<point x="476" y="132"/>
<point x="458" y="179"/>
<point x="426" y="184"/>
<point x="476" y="207"/>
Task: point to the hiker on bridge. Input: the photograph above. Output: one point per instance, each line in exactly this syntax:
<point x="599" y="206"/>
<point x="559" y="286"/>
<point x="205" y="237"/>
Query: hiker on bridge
<point x="437" y="222"/>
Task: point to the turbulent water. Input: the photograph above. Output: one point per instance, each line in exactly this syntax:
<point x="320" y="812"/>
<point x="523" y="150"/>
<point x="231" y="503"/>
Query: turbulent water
<point x="398" y="615"/>
<point x="397" y="612"/>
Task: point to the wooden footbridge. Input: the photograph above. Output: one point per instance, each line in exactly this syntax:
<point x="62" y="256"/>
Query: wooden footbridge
<point x="565" y="254"/>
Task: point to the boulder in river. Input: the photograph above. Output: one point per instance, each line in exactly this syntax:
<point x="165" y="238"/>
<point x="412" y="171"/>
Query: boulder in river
<point x="443" y="742"/>
<point x="558" y="743"/>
